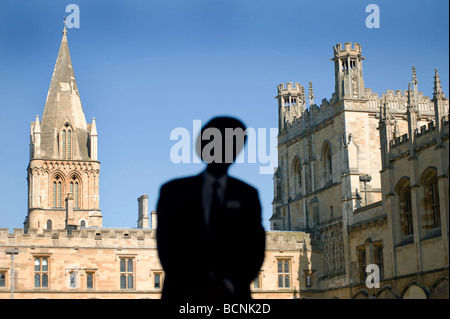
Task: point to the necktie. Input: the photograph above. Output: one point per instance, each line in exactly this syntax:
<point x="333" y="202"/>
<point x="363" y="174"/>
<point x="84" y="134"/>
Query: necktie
<point x="214" y="211"/>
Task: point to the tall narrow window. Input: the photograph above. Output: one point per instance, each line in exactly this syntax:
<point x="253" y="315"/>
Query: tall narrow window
<point x="126" y="273"/>
<point x="69" y="148"/>
<point x="54" y="195"/>
<point x="57" y="189"/>
<point x="378" y="257"/>
<point x="64" y="145"/>
<point x="408" y="212"/>
<point x="157" y="282"/>
<point x="76" y="195"/>
<point x="89" y="280"/>
<point x="2" y="279"/>
<point x="41" y="272"/>
<point x="73" y="280"/>
<point x="362" y="263"/>
<point x="59" y="195"/>
<point x="49" y="224"/>
<point x="284" y="273"/>
<point x="434" y="200"/>
<point x="66" y="142"/>
<point x="296" y="177"/>
<point x="327" y="168"/>
<point x="403" y="189"/>
<point x="431" y="216"/>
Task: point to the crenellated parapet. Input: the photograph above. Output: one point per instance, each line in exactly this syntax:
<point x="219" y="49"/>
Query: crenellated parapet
<point x="83" y="238"/>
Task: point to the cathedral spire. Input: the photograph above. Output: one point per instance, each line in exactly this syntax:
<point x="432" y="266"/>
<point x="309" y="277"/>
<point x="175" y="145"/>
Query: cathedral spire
<point x="63" y="108"/>
<point x="64" y="30"/>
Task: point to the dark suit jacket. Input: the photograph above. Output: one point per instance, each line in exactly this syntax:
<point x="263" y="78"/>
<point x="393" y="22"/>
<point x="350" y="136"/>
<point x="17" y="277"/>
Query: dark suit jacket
<point x="189" y="255"/>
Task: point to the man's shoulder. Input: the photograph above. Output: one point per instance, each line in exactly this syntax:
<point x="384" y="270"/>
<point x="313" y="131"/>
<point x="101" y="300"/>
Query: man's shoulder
<point x="181" y="182"/>
<point x="237" y="183"/>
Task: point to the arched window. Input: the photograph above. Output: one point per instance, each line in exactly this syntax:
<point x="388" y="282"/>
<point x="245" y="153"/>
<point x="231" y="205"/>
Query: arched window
<point x="66" y="142"/>
<point x="57" y="191"/>
<point x="296" y="177"/>
<point x="49" y="224"/>
<point x="403" y="190"/>
<point x="74" y="190"/>
<point x="82" y="223"/>
<point x="431" y="217"/>
<point x="327" y="168"/>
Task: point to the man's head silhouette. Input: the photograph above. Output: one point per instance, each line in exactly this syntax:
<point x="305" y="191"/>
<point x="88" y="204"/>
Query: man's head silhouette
<point x="219" y="143"/>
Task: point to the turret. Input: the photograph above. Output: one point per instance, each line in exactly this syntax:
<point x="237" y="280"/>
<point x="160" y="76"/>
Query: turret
<point x="291" y="103"/>
<point x="349" y="83"/>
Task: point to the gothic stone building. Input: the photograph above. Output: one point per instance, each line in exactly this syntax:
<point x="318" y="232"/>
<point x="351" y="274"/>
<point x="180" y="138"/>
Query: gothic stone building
<point x="366" y="177"/>
<point x="64" y="252"/>
<point x="339" y="204"/>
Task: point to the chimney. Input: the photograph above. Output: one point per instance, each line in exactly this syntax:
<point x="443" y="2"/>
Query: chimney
<point x="143" y="220"/>
<point x="70" y="221"/>
<point x="154" y="219"/>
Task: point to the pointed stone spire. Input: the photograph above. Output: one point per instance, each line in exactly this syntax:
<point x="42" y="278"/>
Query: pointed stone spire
<point x="440" y="107"/>
<point x="411" y="113"/>
<point x="414" y="76"/>
<point x="311" y="94"/>
<point x="36" y="150"/>
<point x="63" y="105"/>
<point x="438" y="93"/>
<point x="409" y="103"/>
<point x="93" y="128"/>
<point x="93" y="149"/>
<point x="37" y="126"/>
<point x="64" y="30"/>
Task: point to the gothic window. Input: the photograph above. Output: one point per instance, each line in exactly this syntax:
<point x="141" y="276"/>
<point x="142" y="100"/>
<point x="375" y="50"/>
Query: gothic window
<point x="403" y="190"/>
<point x="294" y="101"/>
<point x="57" y="192"/>
<point x="378" y="257"/>
<point x="284" y="273"/>
<point x="74" y="190"/>
<point x="66" y="142"/>
<point x="41" y="272"/>
<point x="296" y="177"/>
<point x="49" y="224"/>
<point x="327" y="169"/>
<point x="431" y="216"/>
<point x="362" y="262"/>
<point x="126" y="273"/>
<point x="257" y="281"/>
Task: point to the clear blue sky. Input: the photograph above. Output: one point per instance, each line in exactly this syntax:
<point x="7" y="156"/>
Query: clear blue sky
<point x="144" y="68"/>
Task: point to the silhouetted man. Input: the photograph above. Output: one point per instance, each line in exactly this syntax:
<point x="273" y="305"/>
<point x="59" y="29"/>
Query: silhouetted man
<point x="210" y="238"/>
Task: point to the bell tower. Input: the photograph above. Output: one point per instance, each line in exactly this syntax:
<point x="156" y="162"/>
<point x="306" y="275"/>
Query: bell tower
<point x="63" y="173"/>
<point x="349" y="83"/>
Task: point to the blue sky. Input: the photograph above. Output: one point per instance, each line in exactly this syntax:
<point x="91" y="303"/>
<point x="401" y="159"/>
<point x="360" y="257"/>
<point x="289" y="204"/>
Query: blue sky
<point x="145" y="68"/>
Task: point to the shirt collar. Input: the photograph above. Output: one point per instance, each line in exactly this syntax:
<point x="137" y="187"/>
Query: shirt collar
<point x="209" y="179"/>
